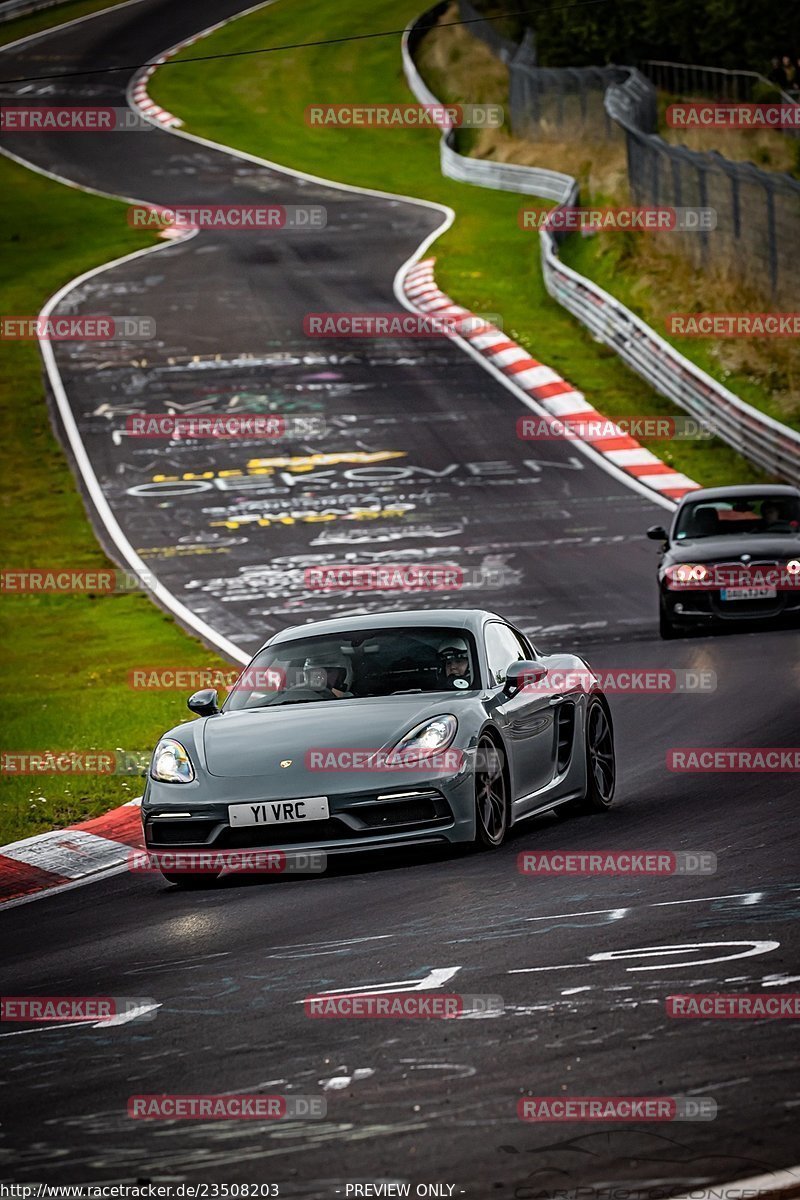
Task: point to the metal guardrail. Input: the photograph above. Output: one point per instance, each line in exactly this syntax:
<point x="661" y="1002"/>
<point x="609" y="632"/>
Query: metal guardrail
<point x="506" y="177"/>
<point x="20" y="8"/>
<point x="761" y="439"/>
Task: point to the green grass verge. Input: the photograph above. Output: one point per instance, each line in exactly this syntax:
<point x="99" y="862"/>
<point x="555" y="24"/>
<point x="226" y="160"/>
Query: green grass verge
<point x="64" y="667"/>
<point x="607" y="261"/>
<point x="485" y="262"/>
<point x="20" y="27"/>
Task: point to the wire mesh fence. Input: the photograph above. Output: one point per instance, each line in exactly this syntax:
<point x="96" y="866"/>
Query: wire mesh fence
<point x="757" y="211"/>
<point x="716" y="83"/>
<point x="760" y="438"/>
<point x="523" y="50"/>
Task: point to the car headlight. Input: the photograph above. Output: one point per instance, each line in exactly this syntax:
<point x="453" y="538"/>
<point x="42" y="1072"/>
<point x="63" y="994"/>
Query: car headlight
<point x="428" y="738"/>
<point x="688" y="573"/>
<point x="171" y="763"/>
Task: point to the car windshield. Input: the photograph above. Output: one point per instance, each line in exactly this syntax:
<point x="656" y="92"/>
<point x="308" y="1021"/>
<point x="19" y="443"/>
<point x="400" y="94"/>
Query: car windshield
<point x="357" y="664"/>
<point x="767" y="514"/>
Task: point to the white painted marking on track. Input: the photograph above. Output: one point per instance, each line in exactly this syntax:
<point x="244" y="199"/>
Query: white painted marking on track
<point x="434" y="979"/>
<point x="615" y="914"/>
<point x="764" y="947"/>
<point x="612" y="956"/>
<point x="122" y="1018"/>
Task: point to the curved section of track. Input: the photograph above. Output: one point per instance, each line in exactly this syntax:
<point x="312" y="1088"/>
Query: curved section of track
<point x="420" y="458"/>
<point x="405" y="469"/>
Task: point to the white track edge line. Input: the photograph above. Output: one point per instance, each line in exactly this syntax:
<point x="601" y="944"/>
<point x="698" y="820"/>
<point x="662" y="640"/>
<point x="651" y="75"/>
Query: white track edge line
<point x="29" y="37"/>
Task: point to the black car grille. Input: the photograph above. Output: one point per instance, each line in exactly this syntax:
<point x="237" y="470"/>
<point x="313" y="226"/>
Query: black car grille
<point x="746" y="608"/>
<point x="565" y="735"/>
<point x="247" y="836"/>
<point x="180" y="833"/>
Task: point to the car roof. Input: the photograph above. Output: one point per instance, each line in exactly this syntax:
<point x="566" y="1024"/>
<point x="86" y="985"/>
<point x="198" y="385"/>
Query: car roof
<point x="450" y="618"/>
<point x="746" y="489"/>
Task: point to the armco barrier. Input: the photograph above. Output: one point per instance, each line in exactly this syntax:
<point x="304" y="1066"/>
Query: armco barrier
<point x="20" y="8"/>
<point x="767" y="443"/>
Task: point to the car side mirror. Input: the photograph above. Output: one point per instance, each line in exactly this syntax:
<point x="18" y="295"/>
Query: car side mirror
<point x="204" y="702"/>
<point x="657" y="533"/>
<point x="522" y="674"/>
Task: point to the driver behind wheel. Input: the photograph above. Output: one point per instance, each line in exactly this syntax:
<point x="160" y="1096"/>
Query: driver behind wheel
<point x="454" y="664"/>
<point x="327" y="671"/>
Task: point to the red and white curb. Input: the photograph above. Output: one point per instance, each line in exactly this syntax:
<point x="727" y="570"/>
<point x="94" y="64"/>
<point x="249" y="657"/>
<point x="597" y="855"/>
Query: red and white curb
<point x="143" y="102"/>
<point x="559" y="398"/>
<point x="137" y="91"/>
<point x="62" y="856"/>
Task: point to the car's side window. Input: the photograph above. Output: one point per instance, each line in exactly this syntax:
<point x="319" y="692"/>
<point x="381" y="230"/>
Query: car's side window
<point x="502" y="648"/>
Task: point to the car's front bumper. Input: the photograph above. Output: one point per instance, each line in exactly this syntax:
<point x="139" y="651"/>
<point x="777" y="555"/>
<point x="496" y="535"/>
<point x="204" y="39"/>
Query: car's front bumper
<point x="696" y="606"/>
<point x="400" y="814"/>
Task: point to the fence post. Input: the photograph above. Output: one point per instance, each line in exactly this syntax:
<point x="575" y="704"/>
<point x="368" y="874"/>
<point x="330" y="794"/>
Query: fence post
<point x="703" y="190"/>
<point x="735" y="203"/>
<point x="771" y="238"/>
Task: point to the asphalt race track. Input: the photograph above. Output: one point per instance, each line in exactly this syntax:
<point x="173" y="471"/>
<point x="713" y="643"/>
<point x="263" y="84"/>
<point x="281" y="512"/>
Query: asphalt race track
<point x="424" y="1101"/>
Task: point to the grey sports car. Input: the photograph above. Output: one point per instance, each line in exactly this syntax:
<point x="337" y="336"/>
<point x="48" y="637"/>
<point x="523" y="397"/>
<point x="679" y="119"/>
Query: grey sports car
<point x="365" y="733"/>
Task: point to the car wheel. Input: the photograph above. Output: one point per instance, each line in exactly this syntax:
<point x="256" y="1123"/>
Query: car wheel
<point x="491" y="795"/>
<point x="601" y="768"/>
<point x="190" y="879"/>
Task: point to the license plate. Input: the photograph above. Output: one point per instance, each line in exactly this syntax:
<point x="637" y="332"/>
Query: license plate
<point x="279" y="812"/>
<point x="748" y="593"/>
